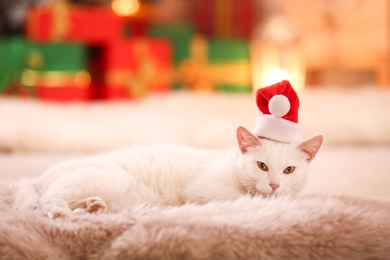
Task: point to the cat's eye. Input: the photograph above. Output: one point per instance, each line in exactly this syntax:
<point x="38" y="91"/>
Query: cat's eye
<point x="262" y="166"/>
<point x="289" y="169"/>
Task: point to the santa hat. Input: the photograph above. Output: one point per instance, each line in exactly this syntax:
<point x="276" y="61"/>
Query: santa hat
<point x="279" y="104"/>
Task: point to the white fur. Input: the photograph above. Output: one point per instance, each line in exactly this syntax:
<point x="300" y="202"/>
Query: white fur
<point x="165" y="175"/>
<point x="276" y="128"/>
<point x="277" y="156"/>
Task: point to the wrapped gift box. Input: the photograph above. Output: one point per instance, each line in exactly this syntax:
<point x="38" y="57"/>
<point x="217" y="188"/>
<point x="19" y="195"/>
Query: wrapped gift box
<point x="133" y="67"/>
<point x="57" y="72"/>
<point x="216" y="66"/>
<point x="178" y="35"/>
<point x="228" y="19"/>
<point x="202" y="64"/>
<point x="64" y="22"/>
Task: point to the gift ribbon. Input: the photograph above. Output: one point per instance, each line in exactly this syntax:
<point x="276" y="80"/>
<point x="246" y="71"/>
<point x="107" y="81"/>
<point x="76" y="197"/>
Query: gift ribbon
<point x="145" y="72"/>
<point x="197" y="73"/>
<point x="32" y="21"/>
<point x="193" y="71"/>
<point x="33" y="78"/>
<point x="224" y="18"/>
<point x="59" y="13"/>
<point x="61" y="23"/>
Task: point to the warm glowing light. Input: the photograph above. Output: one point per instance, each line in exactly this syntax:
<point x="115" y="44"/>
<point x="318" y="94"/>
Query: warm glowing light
<point x="275" y="76"/>
<point x="271" y="64"/>
<point x="276" y="52"/>
<point x="29" y="78"/>
<point x="125" y="7"/>
<point x="82" y="79"/>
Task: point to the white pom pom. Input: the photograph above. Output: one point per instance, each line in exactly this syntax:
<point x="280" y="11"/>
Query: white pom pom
<point x="279" y="105"/>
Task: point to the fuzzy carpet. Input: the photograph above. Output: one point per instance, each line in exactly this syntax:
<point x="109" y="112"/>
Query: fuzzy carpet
<point x="308" y="227"/>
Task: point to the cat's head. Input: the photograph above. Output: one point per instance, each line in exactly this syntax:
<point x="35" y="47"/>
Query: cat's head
<point x="274" y="168"/>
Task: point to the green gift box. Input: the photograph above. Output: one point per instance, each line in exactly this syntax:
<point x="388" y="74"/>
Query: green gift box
<point x="56" y="57"/>
<point x="180" y="37"/>
<point x="12" y="53"/>
<point x="232" y="60"/>
<point x="216" y="65"/>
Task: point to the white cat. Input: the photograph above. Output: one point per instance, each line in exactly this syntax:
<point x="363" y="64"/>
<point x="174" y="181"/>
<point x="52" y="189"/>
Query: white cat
<point x="170" y="175"/>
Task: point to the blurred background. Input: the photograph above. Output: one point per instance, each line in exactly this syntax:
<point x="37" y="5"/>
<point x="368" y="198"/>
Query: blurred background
<point x="85" y="76"/>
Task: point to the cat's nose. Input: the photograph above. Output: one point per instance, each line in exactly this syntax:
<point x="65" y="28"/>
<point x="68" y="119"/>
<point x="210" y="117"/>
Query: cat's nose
<point x="274" y="186"/>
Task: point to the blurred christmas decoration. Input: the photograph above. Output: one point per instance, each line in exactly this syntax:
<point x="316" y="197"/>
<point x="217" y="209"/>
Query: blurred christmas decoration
<point x="125" y="7"/>
<point x="216" y="65"/>
<point x="207" y="64"/>
<point x="133" y="68"/>
<point x="48" y="79"/>
<point x="79" y="50"/>
<point x="64" y="22"/>
<point x="169" y="12"/>
<point x="180" y="37"/>
<point x="224" y="19"/>
<point x="276" y="51"/>
<point x="13" y="12"/>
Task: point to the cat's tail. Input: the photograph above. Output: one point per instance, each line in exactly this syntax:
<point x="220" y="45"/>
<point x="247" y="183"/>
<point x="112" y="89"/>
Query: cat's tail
<point x="26" y="198"/>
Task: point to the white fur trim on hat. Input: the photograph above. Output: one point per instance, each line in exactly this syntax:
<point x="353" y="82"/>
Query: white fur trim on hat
<point x="277" y="129"/>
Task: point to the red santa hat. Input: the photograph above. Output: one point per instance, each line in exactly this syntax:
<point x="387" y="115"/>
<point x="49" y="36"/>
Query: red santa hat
<point x="279" y="104"/>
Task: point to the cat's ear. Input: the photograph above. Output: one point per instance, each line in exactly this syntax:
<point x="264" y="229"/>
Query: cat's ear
<point x="246" y="139"/>
<point x="311" y="147"/>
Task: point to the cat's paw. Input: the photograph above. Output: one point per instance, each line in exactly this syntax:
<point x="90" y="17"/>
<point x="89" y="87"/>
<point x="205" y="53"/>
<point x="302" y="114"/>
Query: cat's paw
<point x="91" y="205"/>
<point x="95" y="205"/>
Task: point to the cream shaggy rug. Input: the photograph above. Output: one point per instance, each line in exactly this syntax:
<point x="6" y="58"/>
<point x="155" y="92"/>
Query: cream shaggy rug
<point x="309" y="227"/>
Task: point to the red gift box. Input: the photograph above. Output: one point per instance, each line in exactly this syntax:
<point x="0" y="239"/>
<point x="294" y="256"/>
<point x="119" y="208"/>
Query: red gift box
<point x="134" y="67"/>
<point x="64" y="22"/>
<point x="224" y="18"/>
<point x="64" y="93"/>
